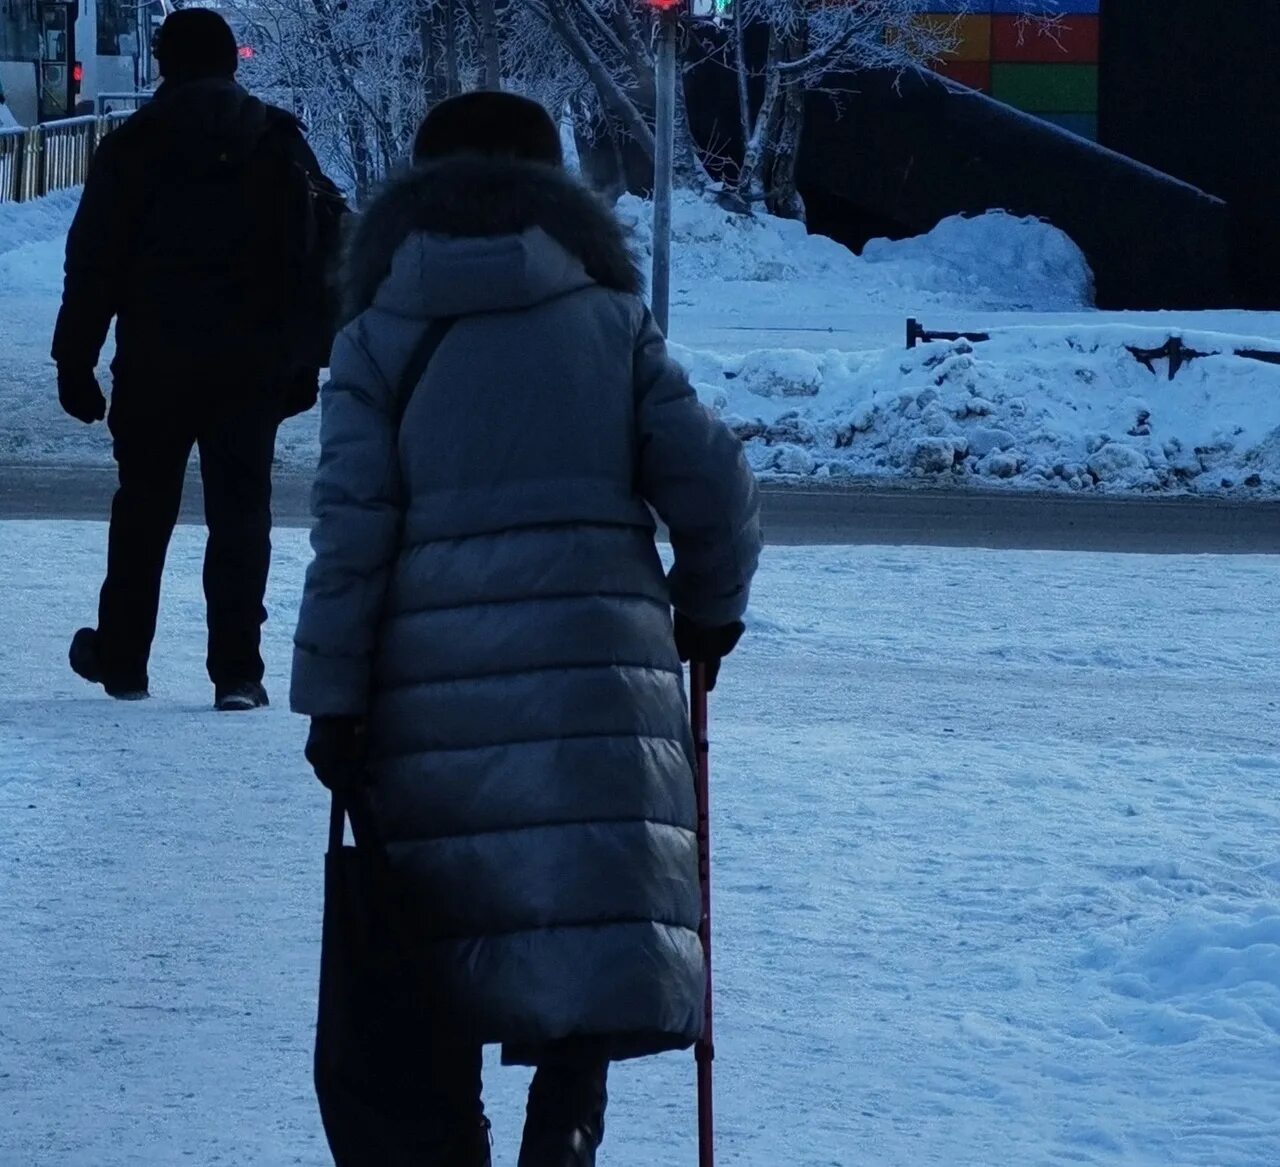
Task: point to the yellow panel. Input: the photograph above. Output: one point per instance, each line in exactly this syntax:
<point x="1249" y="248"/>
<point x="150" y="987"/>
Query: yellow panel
<point x="972" y="34"/>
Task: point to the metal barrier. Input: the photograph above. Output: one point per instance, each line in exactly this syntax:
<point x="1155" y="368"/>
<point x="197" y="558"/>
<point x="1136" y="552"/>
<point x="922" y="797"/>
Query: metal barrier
<point x="65" y="150"/>
<point x="1174" y="350"/>
<point x="12" y="142"/>
<point x="52" y="156"/>
<point x="106" y="103"/>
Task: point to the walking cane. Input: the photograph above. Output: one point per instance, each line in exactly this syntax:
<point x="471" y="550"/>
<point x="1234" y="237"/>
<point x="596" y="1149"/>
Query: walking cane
<point x="704" y="1051"/>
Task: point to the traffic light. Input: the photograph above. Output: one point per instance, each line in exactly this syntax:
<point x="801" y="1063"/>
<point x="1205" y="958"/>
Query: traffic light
<point x="716" y="10"/>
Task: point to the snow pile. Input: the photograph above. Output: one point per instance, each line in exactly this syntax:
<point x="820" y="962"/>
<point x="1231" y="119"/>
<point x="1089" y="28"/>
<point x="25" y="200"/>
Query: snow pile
<point x="32" y="241"/>
<point x="990" y="261"/>
<point x="1043" y="407"/>
<point x="1205" y="968"/>
<point x="38" y="220"/>
<point x="709" y="242"/>
<point x="995" y="260"/>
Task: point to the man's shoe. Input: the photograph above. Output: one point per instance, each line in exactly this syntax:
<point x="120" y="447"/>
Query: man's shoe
<point x="241" y="698"/>
<point x="87" y="663"/>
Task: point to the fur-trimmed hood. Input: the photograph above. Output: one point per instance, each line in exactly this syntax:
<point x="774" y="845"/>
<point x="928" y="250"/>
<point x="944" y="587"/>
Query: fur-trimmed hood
<point x="473" y="234"/>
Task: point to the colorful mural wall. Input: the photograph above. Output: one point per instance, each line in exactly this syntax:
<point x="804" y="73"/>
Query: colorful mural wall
<point x="1050" y="72"/>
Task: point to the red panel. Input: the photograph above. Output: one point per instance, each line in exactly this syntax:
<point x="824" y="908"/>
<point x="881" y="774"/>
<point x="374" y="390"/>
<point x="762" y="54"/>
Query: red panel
<point x="1072" y="42"/>
<point x="974" y="74"/>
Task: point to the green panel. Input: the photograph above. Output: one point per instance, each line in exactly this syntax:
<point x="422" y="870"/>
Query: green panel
<point x="1047" y="88"/>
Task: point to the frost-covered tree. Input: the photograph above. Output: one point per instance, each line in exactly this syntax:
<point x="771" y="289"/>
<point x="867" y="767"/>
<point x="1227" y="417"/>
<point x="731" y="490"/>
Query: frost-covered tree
<point x="362" y="73"/>
<point x="781" y="51"/>
<point x="602" y="54"/>
<point x="806" y="42"/>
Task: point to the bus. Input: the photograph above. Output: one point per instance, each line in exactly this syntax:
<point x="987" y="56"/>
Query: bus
<point x="62" y="58"/>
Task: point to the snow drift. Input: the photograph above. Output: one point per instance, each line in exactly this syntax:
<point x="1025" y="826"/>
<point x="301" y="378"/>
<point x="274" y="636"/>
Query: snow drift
<point x="991" y="261"/>
<point x="32" y="242"/>
<point x="1042" y="407"/>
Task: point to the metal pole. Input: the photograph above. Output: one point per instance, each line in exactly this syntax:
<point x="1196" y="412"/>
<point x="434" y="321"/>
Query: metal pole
<point x="705" y="1050"/>
<point x="664" y="152"/>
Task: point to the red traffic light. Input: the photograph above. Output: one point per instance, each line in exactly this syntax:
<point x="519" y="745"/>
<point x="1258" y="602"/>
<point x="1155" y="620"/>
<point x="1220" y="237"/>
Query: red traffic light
<point x="246" y="52"/>
<point x="77" y="73"/>
<point x="663" y="5"/>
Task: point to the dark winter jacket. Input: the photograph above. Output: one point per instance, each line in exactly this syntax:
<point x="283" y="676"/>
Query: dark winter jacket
<point x="184" y="234"/>
<point x="503" y="618"/>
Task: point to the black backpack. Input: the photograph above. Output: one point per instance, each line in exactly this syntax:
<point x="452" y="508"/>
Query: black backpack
<point x="314" y="235"/>
<point x="235" y="254"/>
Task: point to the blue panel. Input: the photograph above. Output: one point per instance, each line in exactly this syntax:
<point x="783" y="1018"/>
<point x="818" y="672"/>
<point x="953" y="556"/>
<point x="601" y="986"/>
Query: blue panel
<point x="1085" y="125"/>
<point x="1063" y="7"/>
<point x="975" y="7"/>
<point x="1016" y="7"/>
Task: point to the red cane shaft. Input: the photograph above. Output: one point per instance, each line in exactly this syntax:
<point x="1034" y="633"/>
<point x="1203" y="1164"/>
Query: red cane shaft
<point x="705" y="1049"/>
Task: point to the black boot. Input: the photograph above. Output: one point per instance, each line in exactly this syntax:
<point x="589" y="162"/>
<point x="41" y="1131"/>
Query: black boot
<point x="86" y="661"/>
<point x="564" y="1123"/>
<point x="241" y="698"/>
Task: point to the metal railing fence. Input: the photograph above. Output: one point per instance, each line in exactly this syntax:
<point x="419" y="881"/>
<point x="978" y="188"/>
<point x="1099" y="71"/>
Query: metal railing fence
<point x="54" y="156"/>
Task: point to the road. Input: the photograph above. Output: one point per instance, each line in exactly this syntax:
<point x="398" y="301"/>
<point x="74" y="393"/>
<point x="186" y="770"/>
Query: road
<point x="862" y="514"/>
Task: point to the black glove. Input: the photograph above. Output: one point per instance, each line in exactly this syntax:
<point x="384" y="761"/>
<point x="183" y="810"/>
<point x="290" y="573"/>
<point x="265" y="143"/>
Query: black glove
<point x="336" y="749"/>
<point x="301" y="392"/>
<point x="80" y="395"/>
<point x="707" y="646"/>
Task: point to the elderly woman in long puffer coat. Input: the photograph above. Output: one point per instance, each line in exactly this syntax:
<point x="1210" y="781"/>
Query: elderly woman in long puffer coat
<point x="486" y="645"/>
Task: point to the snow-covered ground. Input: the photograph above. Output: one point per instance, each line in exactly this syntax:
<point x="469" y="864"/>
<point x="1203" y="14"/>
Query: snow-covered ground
<point x="801" y="343"/>
<point x="997" y="876"/>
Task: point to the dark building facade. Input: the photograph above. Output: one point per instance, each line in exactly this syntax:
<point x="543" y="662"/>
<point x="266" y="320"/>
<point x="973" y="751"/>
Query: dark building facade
<point x="1188" y="87"/>
<point x="1148" y="130"/>
<point x="1192" y="87"/>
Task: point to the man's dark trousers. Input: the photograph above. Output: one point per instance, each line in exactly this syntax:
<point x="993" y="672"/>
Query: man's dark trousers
<point x="154" y="431"/>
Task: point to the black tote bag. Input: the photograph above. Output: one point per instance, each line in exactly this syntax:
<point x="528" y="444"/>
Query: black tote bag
<point x="375" y="1021"/>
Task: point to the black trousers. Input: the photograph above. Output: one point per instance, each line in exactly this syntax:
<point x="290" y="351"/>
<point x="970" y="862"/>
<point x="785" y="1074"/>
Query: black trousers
<point x="153" y="440"/>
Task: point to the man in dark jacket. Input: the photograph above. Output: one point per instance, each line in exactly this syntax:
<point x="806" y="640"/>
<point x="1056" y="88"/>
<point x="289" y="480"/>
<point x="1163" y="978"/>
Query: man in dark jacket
<point x="486" y="644"/>
<point x="191" y="234"/>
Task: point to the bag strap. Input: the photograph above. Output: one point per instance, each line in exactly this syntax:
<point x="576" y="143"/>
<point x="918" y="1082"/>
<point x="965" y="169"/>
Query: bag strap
<point x="419" y="361"/>
<point x="410" y="379"/>
<point x="367" y="837"/>
<point x="354" y="806"/>
<point x="337" y="823"/>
